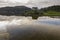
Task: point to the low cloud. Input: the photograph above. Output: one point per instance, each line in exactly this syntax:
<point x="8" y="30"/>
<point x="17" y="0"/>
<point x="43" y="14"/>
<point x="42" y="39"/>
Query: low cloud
<point x="43" y="3"/>
<point x="31" y="3"/>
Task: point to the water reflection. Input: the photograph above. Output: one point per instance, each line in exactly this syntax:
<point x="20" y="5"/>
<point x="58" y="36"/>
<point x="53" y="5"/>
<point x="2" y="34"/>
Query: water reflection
<point x="48" y="20"/>
<point x="25" y="28"/>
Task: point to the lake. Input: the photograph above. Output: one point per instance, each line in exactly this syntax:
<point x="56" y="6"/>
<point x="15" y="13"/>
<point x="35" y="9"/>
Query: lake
<point x="25" y="28"/>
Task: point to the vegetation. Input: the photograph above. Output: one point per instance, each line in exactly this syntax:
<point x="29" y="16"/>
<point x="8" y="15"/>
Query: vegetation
<point x="34" y="12"/>
<point x="51" y="11"/>
<point x="48" y="11"/>
<point x="17" y="10"/>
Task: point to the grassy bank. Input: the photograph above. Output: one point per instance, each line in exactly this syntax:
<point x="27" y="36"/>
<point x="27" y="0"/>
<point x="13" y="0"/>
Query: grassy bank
<point x="52" y="13"/>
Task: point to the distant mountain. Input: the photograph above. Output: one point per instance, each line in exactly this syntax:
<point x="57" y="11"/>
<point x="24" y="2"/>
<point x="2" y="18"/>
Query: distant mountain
<point x="51" y="8"/>
<point x="17" y="10"/>
<point x="21" y="10"/>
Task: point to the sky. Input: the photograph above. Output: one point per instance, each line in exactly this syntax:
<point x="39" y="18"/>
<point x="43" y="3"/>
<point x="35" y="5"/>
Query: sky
<point x="29" y="3"/>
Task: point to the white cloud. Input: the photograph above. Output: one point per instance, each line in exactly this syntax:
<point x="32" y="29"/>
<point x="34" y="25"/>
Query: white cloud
<point x="43" y="3"/>
<point x="9" y="3"/>
<point x="31" y="3"/>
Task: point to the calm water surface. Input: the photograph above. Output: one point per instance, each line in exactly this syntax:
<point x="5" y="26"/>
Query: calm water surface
<point x="19" y="27"/>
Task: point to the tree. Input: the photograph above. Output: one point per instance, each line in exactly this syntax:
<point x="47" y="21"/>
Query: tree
<point x="35" y="13"/>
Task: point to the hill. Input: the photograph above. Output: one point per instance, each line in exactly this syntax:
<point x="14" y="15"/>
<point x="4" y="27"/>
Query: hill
<point x="51" y="11"/>
<point x="17" y="10"/>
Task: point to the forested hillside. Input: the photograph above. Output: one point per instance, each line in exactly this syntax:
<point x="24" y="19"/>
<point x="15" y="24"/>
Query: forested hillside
<point x="51" y="11"/>
<point x="17" y="10"/>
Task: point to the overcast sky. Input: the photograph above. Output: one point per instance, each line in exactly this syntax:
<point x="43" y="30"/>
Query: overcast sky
<point x="29" y="3"/>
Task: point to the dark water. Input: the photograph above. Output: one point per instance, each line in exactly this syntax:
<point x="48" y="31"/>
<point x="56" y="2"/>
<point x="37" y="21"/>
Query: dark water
<point x="21" y="28"/>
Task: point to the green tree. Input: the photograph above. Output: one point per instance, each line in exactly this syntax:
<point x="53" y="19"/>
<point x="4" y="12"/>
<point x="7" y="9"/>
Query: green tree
<point x="34" y="13"/>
